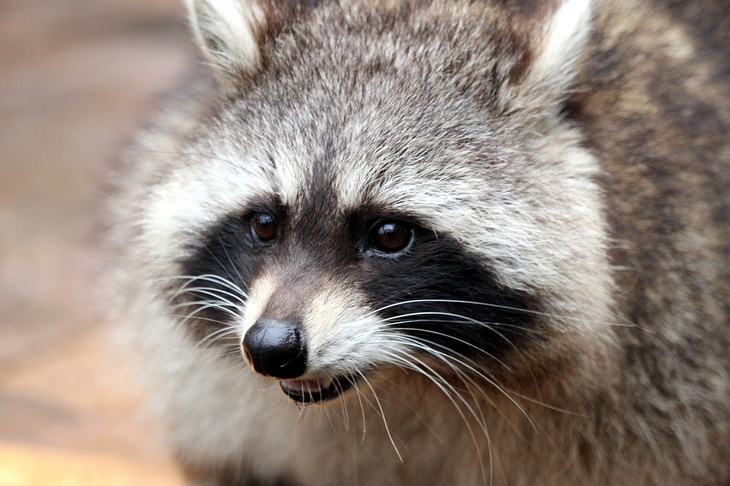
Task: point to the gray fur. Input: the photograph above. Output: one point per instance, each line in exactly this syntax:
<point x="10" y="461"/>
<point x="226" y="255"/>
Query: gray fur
<point x="578" y="151"/>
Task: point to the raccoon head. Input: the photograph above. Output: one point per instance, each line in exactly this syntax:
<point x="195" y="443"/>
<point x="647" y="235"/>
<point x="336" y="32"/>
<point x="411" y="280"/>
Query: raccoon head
<point x="388" y="185"/>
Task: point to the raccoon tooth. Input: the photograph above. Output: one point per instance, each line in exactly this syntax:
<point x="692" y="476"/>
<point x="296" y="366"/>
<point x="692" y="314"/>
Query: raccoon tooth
<point x="325" y="383"/>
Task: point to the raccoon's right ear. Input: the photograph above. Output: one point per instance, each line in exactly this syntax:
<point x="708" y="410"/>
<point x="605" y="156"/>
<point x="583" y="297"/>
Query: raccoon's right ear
<point x="557" y="49"/>
<point x="231" y="32"/>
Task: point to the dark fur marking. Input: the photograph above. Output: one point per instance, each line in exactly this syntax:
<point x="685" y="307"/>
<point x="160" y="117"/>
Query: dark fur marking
<point x="317" y="244"/>
<point x="438" y="268"/>
<point x="220" y="254"/>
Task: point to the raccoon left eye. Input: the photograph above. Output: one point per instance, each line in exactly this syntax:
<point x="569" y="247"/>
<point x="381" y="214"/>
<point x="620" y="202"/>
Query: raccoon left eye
<point x="263" y="227"/>
<point x="391" y="237"/>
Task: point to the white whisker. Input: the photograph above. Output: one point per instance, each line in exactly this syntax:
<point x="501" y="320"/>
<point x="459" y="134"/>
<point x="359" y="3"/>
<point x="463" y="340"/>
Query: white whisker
<point x="382" y="415"/>
<point x="465" y="363"/>
<point x="449" y="391"/>
<point x="495" y="306"/>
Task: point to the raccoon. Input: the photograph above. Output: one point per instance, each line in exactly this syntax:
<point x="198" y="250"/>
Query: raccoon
<point x="395" y="242"/>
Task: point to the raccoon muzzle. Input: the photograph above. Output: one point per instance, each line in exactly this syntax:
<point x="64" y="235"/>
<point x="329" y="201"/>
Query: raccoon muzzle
<point x="276" y="348"/>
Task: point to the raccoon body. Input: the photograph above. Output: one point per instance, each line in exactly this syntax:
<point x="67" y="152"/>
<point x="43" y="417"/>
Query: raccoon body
<point x="437" y="243"/>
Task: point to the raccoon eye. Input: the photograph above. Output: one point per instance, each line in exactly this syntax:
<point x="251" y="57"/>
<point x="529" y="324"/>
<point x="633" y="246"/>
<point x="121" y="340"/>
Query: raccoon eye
<point x="263" y="226"/>
<point x="391" y="237"/>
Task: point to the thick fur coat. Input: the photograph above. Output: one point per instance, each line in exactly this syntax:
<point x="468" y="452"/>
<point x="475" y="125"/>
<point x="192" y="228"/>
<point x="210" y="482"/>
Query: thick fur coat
<point x="422" y="242"/>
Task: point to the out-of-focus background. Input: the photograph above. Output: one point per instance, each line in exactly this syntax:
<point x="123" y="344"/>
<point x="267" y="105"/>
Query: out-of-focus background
<point x="76" y="77"/>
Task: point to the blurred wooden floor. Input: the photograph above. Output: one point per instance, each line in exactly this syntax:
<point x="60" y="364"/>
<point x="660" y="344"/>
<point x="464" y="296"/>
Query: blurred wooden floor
<point x="75" y="78"/>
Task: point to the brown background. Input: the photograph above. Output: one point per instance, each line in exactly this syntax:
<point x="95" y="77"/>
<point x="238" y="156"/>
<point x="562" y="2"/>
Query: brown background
<point x="76" y="76"/>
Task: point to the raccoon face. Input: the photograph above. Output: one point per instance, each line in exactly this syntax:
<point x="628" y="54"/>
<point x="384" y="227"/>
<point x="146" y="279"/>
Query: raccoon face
<point x="385" y="187"/>
<point x="331" y="295"/>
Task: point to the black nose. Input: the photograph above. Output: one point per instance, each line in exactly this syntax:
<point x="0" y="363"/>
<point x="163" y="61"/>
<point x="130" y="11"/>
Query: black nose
<point x="276" y="347"/>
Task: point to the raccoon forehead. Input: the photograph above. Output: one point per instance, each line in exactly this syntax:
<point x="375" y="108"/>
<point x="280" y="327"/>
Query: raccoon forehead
<point x="441" y="172"/>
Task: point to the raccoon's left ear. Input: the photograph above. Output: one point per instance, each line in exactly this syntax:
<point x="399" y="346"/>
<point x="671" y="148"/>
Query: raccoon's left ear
<point x="557" y="47"/>
<point x="231" y="33"/>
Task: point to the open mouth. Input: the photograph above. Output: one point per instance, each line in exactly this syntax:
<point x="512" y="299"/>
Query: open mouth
<point x="315" y="390"/>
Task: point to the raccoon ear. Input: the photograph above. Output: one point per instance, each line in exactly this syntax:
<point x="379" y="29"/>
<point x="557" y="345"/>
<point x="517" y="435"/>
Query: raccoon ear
<point x="231" y="32"/>
<point x="558" y="48"/>
<point x="226" y="30"/>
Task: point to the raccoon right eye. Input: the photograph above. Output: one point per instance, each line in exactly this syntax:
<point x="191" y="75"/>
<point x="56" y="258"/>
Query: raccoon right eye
<point x="263" y="227"/>
<point x="390" y="237"/>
